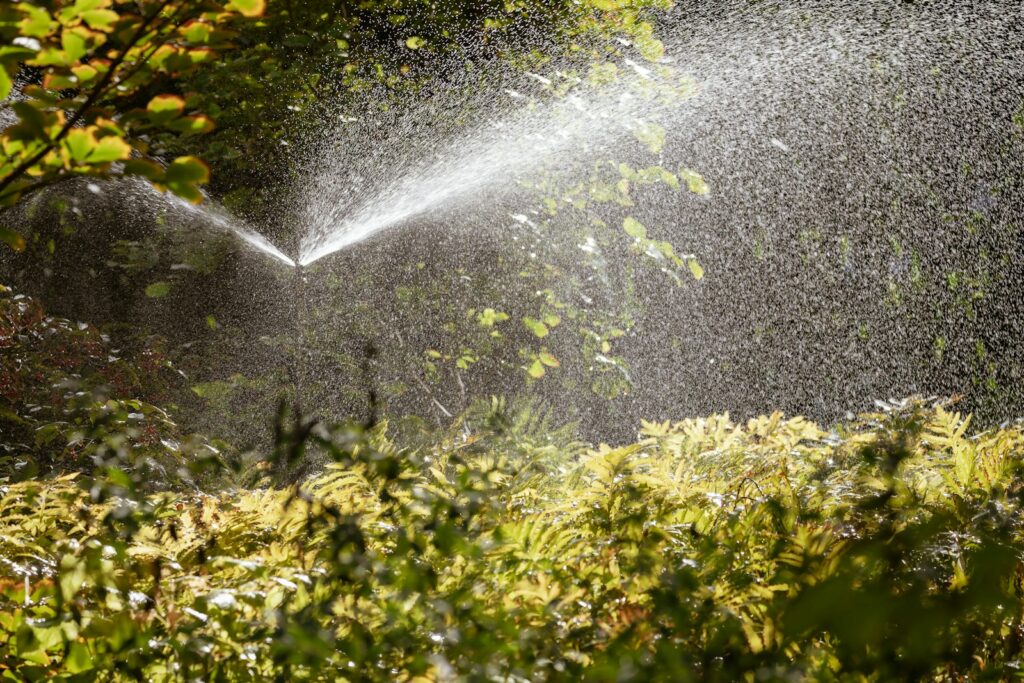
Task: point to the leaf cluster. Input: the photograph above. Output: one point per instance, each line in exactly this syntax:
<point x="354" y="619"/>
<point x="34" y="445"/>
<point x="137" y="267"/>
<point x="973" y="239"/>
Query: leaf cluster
<point x="887" y="548"/>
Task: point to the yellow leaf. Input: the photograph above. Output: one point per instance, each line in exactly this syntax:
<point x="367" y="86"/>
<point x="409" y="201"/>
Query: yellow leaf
<point x="164" y="108"/>
<point x="695" y="268"/>
<point x="248" y="8"/>
<point x="110" y="149"/>
<point x="536" y="370"/>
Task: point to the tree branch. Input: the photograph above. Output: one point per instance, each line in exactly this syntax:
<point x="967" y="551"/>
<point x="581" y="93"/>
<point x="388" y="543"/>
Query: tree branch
<point x="79" y="113"/>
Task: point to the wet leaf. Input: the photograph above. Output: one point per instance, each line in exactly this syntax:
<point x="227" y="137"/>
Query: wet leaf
<point x="12" y="239"/>
<point x="695" y="268"/>
<point x="634" y="228"/>
<point x="538" y="328"/>
<point x="548" y="359"/>
<point x="694" y="181"/>
<point x="158" y="290"/>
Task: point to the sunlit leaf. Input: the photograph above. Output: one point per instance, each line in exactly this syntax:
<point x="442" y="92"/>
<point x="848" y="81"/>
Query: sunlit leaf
<point x="694" y="181"/>
<point x="158" y="290"/>
<point x="110" y="149"/>
<point x="5" y="83"/>
<point x="634" y="228"/>
<point x="37" y="21"/>
<point x="74" y="44"/>
<point x="188" y="170"/>
<point x="548" y="359"/>
<point x="695" y="268"/>
<point x="99" y="19"/>
<point x="197" y="32"/>
<point x="535" y="326"/>
<point x="248" y="8"/>
<point x="163" y="108"/>
<point x="80" y="143"/>
<point x="78" y="659"/>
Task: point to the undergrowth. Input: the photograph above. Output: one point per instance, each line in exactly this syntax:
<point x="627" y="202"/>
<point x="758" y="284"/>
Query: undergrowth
<point x="886" y="548"/>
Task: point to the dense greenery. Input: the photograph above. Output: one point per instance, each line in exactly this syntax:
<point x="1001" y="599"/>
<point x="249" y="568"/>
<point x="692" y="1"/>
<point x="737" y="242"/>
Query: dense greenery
<point x="887" y="548"/>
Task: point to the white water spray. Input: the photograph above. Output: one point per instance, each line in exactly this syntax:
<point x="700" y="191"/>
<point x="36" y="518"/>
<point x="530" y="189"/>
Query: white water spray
<point x="212" y="214"/>
<point x="489" y="159"/>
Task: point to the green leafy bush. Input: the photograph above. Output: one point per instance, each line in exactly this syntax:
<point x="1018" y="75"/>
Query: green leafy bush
<point x="887" y="548"/>
<point x="71" y="400"/>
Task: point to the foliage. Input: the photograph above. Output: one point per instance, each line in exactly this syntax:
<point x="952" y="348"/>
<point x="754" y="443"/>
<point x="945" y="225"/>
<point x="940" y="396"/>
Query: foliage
<point x="71" y="400"/>
<point x="89" y="100"/>
<point x="887" y="548"/>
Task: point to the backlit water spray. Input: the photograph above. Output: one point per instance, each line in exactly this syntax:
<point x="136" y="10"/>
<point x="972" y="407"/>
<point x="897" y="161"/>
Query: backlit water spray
<point x="857" y="232"/>
<point x="488" y="160"/>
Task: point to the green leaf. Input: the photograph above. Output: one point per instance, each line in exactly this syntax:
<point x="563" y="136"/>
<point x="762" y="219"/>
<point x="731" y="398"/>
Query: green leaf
<point x="56" y="81"/>
<point x="415" y="43"/>
<point x="108" y="149"/>
<point x="37" y="22"/>
<point x="79" y="144"/>
<point x="536" y="370"/>
<point x="183" y="176"/>
<point x="192" y="125"/>
<point x="145" y="168"/>
<point x="634" y="228"/>
<point x="28" y="646"/>
<point x="33" y="123"/>
<point x="197" y="32"/>
<point x="186" y="191"/>
<point x="74" y="44"/>
<point x="248" y="8"/>
<point x="187" y="170"/>
<point x="48" y="637"/>
<point x="5" y="82"/>
<point x="84" y="73"/>
<point x="548" y="359"/>
<point x="158" y="290"/>
<point x="12" y="239"/>
<point x="78" y="659"/>
<point x="538" y="328"/>
<point x="694" y="181"/>
<point x="695" y="268"/>
<point x="164" y="108"/>
<point x="99" y="19"/>
<point x="72" y="576"/>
